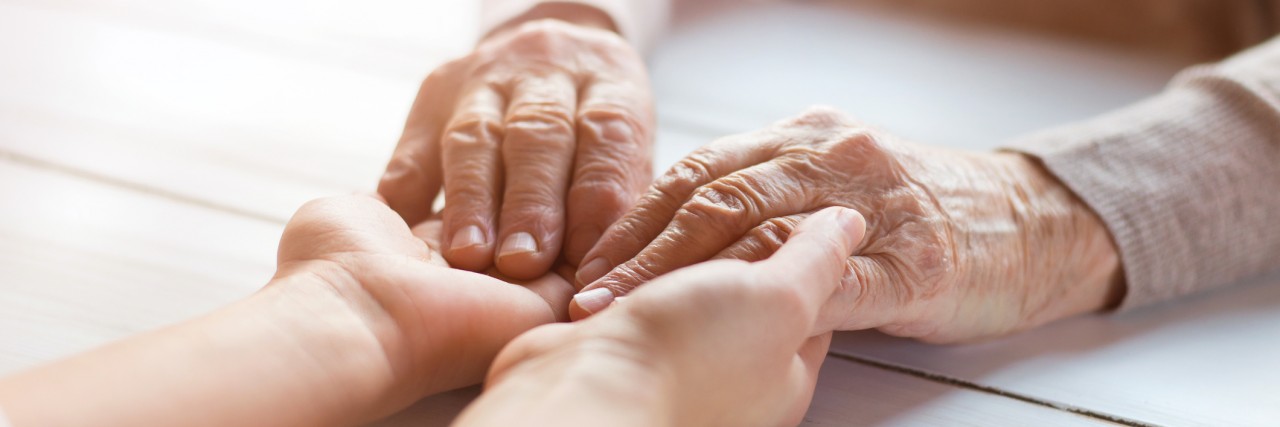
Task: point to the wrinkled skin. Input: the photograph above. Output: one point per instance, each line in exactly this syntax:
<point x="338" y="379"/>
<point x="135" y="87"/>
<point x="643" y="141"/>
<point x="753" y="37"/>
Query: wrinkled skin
<point x="960" y="245"/>
<point x="720" y="343"/>
<point x="438" y="327"/>
<point x="540" y="138"/>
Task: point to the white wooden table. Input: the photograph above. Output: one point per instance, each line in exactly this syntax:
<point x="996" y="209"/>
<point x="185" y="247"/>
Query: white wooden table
<point x="150" y="151"/>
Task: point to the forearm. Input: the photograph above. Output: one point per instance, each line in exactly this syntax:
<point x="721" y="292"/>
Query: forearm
<point x="288" y="355"/>
<point x="640" y="21"/>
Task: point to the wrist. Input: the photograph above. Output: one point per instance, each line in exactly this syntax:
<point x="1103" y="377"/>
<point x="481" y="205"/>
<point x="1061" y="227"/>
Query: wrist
<point x="1075" y="248"/>
<point x="338" y="340"/>
<point x="578" y="14"/>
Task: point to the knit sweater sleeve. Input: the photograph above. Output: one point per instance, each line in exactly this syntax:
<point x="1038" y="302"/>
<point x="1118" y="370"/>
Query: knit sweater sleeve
<point x="1187" y="182"/>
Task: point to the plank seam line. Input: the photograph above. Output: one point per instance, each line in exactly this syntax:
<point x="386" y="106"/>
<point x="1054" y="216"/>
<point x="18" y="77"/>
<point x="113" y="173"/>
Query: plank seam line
<point x="970" y="385"/>
<point x="39" y="163"/>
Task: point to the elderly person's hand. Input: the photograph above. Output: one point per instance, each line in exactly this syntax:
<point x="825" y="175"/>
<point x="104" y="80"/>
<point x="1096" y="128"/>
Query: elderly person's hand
<point x="721" y="343"/>
<point x="960" y="245"/>
<point x="541" y="138"/>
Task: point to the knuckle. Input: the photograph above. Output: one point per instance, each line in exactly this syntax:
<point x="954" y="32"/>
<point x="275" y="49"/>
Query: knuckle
<point x="531" y="201"/>
<point x="468" y="198"/>
<point x="820" y="116"/>
<point x="604" y="193"/>
<point x="860" y="142"/>
<point x="728" y="201"/>
<point x="604" y="175"/>
<point x="633" y="226"/>
<point x="402" y="168"/>
<point x="611" y="124"/>
<point x="550" y="122"/>
<point x="627" y="276"/>
<point x="472" y="130"/>
<point x="683" y="178"/>
<point x="772" y="234"/>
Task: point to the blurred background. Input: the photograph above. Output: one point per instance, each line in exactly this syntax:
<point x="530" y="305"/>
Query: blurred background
<point x="151" y="150"/>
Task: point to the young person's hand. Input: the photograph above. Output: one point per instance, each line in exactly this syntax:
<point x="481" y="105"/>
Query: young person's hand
<point x="540" y="138"/>
<point x="960" y="245"/>
<point x="360" y="320"/>
<point x="438" y="327"/>
<point x="720" y="343"/>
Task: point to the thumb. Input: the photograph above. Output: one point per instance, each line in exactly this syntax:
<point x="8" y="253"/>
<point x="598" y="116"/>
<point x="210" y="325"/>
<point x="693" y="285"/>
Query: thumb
<point x="816" y="253"/>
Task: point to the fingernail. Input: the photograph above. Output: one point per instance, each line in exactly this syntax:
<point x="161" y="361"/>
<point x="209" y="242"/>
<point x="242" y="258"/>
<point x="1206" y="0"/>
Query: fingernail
<point x="592" y="270"/>
<point x="847" y="217"/>
<point x="518" y="243"/>
<point x="467" y="237"/>
<point x="594" y="300"/>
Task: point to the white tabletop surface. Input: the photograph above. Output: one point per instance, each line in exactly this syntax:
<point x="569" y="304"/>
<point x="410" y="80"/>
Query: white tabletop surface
<point x="150" y="151"/>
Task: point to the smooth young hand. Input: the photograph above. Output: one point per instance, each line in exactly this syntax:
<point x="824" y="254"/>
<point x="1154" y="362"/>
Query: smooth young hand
<point x="360" y="320"/>
<point x="722" y="343"/>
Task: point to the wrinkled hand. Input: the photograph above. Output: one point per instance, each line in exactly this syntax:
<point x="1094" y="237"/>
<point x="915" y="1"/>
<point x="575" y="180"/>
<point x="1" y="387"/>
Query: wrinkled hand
<point x="720" y="343"/>
<point x="438" y="327"/>
<point x="540" y="137"/>
<point x="960" y="245"/>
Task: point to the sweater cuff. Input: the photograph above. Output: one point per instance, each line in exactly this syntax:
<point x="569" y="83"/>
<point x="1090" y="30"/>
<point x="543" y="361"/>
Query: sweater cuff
<point x="640" y="22"/>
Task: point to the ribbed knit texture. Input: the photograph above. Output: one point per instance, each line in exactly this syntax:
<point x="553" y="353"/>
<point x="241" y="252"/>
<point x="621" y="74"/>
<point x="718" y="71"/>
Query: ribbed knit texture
<point x="1187" y="182"/>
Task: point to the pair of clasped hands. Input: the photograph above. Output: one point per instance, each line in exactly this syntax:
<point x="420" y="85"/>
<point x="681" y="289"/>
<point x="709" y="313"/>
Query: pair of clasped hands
<point x="736" y="264"/>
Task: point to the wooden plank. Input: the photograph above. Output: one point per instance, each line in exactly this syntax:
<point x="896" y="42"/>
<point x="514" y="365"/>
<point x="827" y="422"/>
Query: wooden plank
<point x="1207" y="360"/>
<point x="848" y="393"/>
<point x="86" y="263"/>
<point x="254" y="131"/>
<point x="402" y="38"/>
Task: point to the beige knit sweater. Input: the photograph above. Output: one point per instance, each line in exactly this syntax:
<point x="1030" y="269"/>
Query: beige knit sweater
<point x="1188" y="182"/>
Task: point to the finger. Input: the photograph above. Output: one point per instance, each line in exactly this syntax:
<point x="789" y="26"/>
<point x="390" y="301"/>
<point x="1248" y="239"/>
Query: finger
<point x="412" y="179"/>
<point x="871" y="295"/>
<point x="764" y="240"/>
<point x="473" y="180"/>
<point x="613" y="164"/>
<point x="717" y="215"/>
<point x="537" y="153"/>
<point x="429" y="232"/>
<point x="811" y="355"/>
<point x="816" y="253"/>
<point x="629" y="235"/>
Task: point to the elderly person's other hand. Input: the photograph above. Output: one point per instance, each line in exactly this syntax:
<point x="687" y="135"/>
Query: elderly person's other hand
<point x="721" y="343"/>
<point x="542" y="136"/>
<point x="960" y="245"/>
